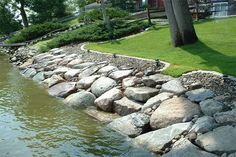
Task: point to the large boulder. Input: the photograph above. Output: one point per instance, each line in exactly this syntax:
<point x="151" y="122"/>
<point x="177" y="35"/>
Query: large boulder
<point x="126" y="106"/>
<point x="226" y="117"/>
<point x="141" y="94"/>
<point x="107" y="69"/>
<point x="156" y="140"/>
<point x="184" y="148"/>
<point x="221" y="140"/>
<point x="101" y="116"/>
<point x="204" y="124"/>
<point x="39" y="77"/>
<point x="80" y="99"/>
<point x="199" y="95"/>
<point x="62" y="89"/>
<point x="105" y="101"/>
<point x="174" y="86"/>
<point x="29" y="72"/>
<point x="175" y="110"/>
<point x="156" y="100"/>
<point x="153" y="80"/>
<point x="130" y="82"/>
<point x="102" y="85"/>
<point x="131" y="125"/>
<point x="210" y="107"/>
<point x="55" y="79"/>
<point x="120" y="74"/>
<point x="61" y="70"/>
<point x="71" y="73"/>
<point x="86" y="82"/>
<point x="75" y="62"/>
<point x="90" y="71"/>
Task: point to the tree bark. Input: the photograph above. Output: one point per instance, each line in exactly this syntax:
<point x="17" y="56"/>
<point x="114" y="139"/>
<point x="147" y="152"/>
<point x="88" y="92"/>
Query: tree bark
<point x="174" y="29"/>
<point x="105" y="17"/>
<point x="23" y="14"/>
<point x="180" y="22"/>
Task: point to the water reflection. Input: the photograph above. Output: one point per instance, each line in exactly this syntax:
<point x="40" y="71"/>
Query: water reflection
<point x="34" y="124"/>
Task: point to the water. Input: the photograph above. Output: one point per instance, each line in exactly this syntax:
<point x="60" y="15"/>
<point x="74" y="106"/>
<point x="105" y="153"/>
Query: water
<point x="34" y="124"/>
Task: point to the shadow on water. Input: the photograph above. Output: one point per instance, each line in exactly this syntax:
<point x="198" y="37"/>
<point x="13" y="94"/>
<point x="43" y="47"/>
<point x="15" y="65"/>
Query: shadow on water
<point x="212" y="58"/>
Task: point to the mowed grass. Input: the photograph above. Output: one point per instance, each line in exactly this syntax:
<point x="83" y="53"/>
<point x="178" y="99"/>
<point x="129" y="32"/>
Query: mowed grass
<point x="215" y="50"/>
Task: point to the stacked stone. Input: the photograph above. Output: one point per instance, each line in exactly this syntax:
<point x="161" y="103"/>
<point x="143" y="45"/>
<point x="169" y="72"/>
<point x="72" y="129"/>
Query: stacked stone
<point x="184" y="116"/>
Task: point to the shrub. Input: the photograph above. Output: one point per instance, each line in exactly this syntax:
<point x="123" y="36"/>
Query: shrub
<point x="96" y="14"/>
<point x="97" y="32"/>
<point x="35" y="31"/>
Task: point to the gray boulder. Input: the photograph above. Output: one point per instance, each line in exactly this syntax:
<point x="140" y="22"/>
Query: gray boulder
<point x="210" y="107"/>
<point x="226" y="117"/>
<point x="107" y="69"/>
<point x="184" y="148"/>
<point x="90" y="71"/>
<point x="120" y="74"/>
<point x="39" y="77"/>
<point x="199" y="95"/>
<point x="140" y="93"/>
<point x="55" y="79"/>
<point x="130" y="82"/>
<point x="131" y="125"/>
<point x="220" y="140"/>
<point x="80" y="99"/>
<point x="174" y="86"/>
<point x="86" y="82"/>
<point x="83" y="65"/>
<point x="62" y="89"/>
<point x="204" y="124"/>
<point x="105" y="101"/>
<point x="29" y="72"/>
<point x="153" y="80"/>
<point x="61" y="70"/>
<point x="102" y="85"/>
<point x="125" y="106"/>
<point x="232" y="155"/>
<point x="71" y="73"/>
<point x="101" y="116"/>
<point x="175" y="110"/>
<point x="75" y="62"/>
<point x="156" y="140"/>
<point x="156" y="100"/>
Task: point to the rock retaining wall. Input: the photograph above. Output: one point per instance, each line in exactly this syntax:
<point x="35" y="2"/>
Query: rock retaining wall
<point x="193" y="115"/>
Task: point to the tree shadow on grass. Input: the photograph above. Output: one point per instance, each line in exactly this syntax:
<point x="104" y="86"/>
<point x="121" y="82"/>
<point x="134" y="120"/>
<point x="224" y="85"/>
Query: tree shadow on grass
<point x="212" y="58"/>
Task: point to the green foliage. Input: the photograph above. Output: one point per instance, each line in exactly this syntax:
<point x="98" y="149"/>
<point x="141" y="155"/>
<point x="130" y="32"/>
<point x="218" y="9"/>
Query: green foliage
<point x="96" y="14"/>
<point x="7" y="22"/>
<point x="96" y="32"/>
<point x="47" y="10"/>
<point x="214" y="51"/>
<point x="35" y="31"/>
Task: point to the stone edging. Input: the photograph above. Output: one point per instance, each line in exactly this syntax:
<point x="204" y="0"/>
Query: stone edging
<point x="166" y="64"/>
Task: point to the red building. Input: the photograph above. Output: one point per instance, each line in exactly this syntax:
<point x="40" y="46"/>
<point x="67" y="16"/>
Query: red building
<point x="156" y="4"/>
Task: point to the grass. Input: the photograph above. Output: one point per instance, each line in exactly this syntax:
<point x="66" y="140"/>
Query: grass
<point x="215" y="50"/>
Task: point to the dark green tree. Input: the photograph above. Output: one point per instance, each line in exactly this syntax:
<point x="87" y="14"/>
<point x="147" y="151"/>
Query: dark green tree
<point x="45" y="10"/>
<point x="8" y="23"/>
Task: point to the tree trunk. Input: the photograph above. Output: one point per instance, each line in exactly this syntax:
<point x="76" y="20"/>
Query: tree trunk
<point x="180" y="22"/>
<point x="105" y="17"/>
<point x="184" y="21"/>
<point x="23" y="14"/>
<point x="174" y="29"/>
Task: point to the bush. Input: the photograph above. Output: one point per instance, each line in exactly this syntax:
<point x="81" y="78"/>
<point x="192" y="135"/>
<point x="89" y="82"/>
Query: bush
<point x="96" y="14"/>
<point x="97" y="32"/>
<point x="35" y="31"/>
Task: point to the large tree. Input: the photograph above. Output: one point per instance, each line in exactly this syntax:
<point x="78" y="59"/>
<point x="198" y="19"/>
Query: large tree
<point x="180" y="22"/>
<point x="8" y="23"/>
<point x="47" y="10"/>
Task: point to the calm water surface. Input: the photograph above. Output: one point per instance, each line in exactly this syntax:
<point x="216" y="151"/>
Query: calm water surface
<point x="34" y="124"/>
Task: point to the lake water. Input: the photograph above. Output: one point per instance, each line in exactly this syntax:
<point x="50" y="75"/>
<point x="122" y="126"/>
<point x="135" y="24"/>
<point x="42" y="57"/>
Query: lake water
<point x="35" y="124"/>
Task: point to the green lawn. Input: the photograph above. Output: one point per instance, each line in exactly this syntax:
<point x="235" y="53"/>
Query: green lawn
<point x="215" y="50"/>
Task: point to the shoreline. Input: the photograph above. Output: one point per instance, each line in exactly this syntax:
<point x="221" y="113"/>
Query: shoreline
<point x="135" y="99"/>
